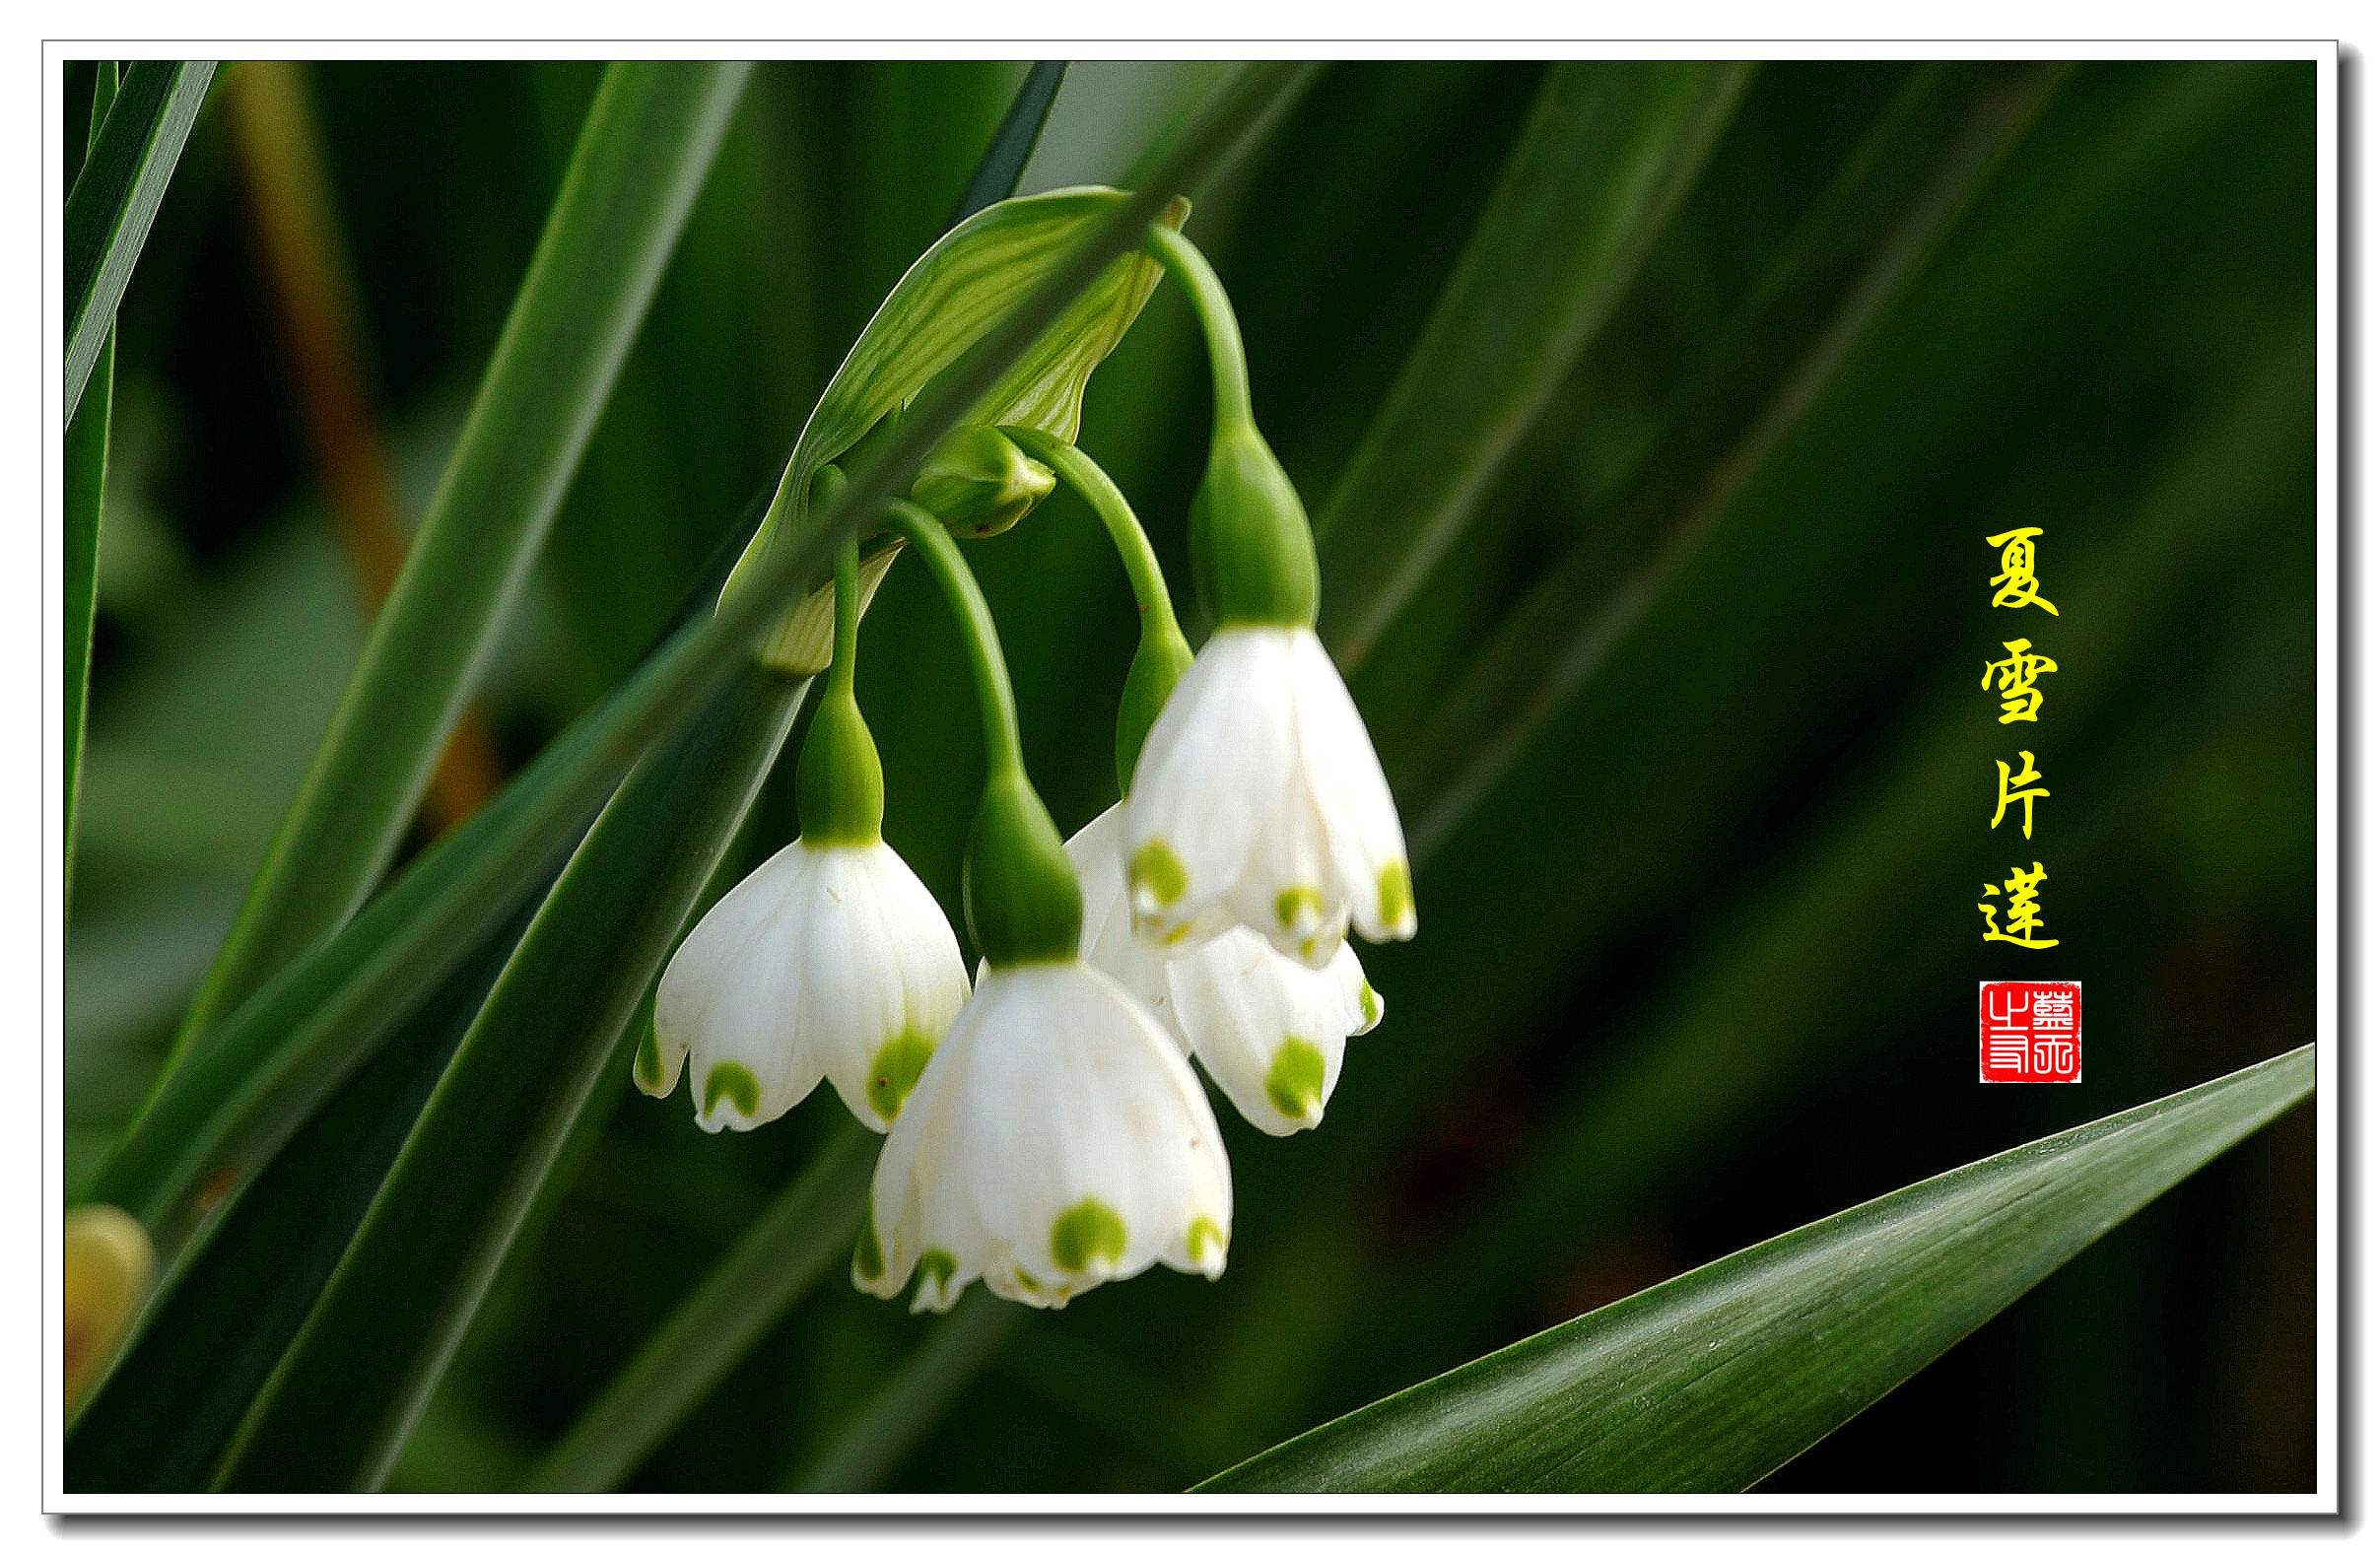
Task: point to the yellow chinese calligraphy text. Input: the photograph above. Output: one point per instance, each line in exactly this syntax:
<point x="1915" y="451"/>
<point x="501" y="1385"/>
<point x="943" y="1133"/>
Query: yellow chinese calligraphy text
<point x="2021" y="702"/>
<point x="2024" y="912"/>
<point x="2018" y="587"/>
<point x="2016" y="789"/>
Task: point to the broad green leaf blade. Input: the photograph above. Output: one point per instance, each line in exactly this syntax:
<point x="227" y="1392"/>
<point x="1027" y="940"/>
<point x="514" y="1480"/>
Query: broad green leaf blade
<point x="218" y="1115"/>
<point x="807" y="1232"/>
<point x="115" y="198"/>
<point x="162" y="1421"/>
<point x="86" y="482"/>
<point x="1607" y="153"/>
<point x="338" y="1407"/>
<point x="649" y="142"/>
<point x="1713" y="1379"/>
<point x="955" y="292"/>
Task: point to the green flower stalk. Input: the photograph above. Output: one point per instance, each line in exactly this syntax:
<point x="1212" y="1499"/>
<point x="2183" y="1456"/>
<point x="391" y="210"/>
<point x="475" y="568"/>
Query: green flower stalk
<point x="1022" y="901"/>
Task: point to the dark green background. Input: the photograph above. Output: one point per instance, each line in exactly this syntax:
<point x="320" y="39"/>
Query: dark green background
<point x="1698" y="968"/>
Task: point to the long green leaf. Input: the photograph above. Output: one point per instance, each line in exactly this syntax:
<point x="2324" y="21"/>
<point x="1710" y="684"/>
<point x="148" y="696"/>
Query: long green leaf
<point x="115" y="198"/>
<point x="1003" y="162"/>
<point x="162" y="1421"/>
<point x="349" y="1388"/>
<point x="649" y="142"/>
<point x="1605" y="156"/>
<point x="1714" y="1379"/>
<point x="805" y="1233"/>
<point x="86" y="482"/>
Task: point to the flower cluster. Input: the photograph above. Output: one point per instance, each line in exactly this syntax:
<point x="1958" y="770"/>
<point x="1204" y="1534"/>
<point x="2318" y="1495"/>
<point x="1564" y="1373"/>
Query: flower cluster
<point x="1046" y="1128"/>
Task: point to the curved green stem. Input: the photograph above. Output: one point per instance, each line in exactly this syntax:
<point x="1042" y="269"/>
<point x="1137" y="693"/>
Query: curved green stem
<point x="1182" y="260"/>
<point x="841" y="673"/>
<point x="1078" y="469"/>
<point x="1003" y="750"/>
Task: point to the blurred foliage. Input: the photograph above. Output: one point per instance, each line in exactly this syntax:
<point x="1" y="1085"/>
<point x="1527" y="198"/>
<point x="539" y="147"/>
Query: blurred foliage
<point x="1696" y="966"/>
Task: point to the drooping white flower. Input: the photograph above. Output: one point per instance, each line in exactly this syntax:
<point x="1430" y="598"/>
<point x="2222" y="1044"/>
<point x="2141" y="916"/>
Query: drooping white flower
<point x="1258" y="800"/>
<point x="1058" y="1140"/>
<point x="1270" y="1030"/>
<point x="825" y="962"/>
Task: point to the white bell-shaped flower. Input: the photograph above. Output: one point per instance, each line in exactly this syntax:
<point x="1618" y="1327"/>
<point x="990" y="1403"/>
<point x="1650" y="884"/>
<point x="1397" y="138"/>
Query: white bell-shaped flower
<point x="826" y="962"/>
<point x="1258" y="800"/>
<point x="1058" y="1140"/>
<point x="1270" y="1030"/>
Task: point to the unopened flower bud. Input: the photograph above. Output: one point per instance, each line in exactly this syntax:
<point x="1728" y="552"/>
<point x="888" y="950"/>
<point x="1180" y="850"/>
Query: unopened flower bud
<point x="979" y="483"/>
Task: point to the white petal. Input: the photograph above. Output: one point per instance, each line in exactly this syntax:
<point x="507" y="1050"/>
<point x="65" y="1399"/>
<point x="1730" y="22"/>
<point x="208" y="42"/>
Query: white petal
<point x="727" y="992"/>
<point x="1216" y="764"/>
<point x="885" y="981"/>
<point x="1290" y="891"/>
<point x="1108" y="941"/>
<point x="915" y="1153"/>
<point x="1270" y="1032"/>
<point x="824" y="961"/>
<point x="1341" y="773"/>
<point x="1075" y="1144"/>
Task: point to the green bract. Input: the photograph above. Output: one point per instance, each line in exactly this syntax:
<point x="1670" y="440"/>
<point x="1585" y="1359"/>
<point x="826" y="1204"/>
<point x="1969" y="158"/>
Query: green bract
<point x="955" y="293"/>
<point x="980" y="484"/>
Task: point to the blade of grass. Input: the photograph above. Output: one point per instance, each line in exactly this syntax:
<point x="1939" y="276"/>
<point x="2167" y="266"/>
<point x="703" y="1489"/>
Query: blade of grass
<point x="806" y="1232"/>
<point x="115" y="198"/>
<point x="337" y="1408"/>
<point x="647" y="144"/>
<point x="1607" y="151"/>
<point x="86" y="481"/>
<point x="303" y="264"/>
<point x="1714" y="1379"/>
